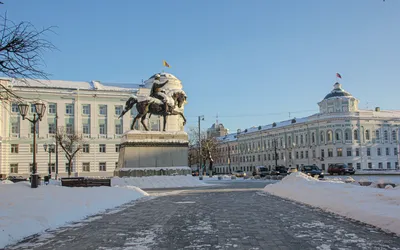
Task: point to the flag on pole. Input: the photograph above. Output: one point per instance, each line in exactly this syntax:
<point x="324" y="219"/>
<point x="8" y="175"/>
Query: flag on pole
<point x="338" y="75"/>
<point x="165" y="64"/>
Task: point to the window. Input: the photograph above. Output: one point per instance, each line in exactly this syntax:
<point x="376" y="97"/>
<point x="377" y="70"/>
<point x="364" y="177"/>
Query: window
<point x="347" y="135"/>
<point x="289" y="141"/>
<point x="380" y="165"/>
<point x="297" y="155"/>
<point x="33" y="109"/>
<point x="330" y="152"/>
<point x="102" y="148"/>
<point x="14" y="168"/>
<point x="69" y="128"/>
<point x="348" y="151"/>
<point x="367" y="136"/>
<point x="290" y="155"/>
<point x="301" y="154"/>
<point x="116" y="165"/>
<point x="86" y="129"/>
<point x="329" y="136"/>
<point x="395" y="151"/>
<point x="297" y="139"/>
<point x="86" y="109"/>
<point x="378" y="151"/>
<point x="281" y="156"/>
<point x="301" y="139"/>
<point x="118" y="129"/>
<point x="265" y="157"/>
<point x="254" y="158"/>
<point x="259" y="158"/>
<point x="322" y="153"/>
<point x="307" y="154"/>
<point x="14" y="108"/>
<point x="313" y="137"/>
<point x="339" y="152"/>
<point x="118" y="110"/>
<point x="322" y="136"/>
<point x="52" y="108"/>
<point x="103" y="129"/>
<point x="86" y="167"/>
<point x="269" y="157"/>
<point x="338" y="136"/>
<point x="86" y="148"/>
<point x="355" y="134"/>
<point x="52" y="128"/>
<point x="388" y="165"/>
<point x="15" y="127"/>
<point x="357" y="152"/>
<point x="369" y="165"/>
<point x="385" y="135"/>
<point x="368" y="151"/>
<point x="377" y="134"/>
<point x="394" y="136"/>
<point x="103" y="109"/>
<point x="314" y="154"/>
<point x="387" y="151"/>
<point x="102" y="166"/>
<point x="14" y="148"/>
<point x="117" y="147"/>
<point x="69" y="109"/>
<point x="52" y="167"/>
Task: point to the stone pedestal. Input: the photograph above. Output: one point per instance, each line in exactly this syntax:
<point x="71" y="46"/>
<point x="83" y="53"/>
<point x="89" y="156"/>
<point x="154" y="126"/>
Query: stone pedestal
<point x="145" y="153"/>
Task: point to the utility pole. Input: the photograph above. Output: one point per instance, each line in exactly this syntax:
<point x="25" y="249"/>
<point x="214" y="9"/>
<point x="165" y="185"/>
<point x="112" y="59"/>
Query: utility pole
<point x="200" y="118"/>
<point x="56" y="144"/>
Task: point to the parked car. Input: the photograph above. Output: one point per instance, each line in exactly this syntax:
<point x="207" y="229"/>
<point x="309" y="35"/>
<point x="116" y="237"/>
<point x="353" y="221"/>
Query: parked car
<point x="291" y="170"/>
<point x="279" y="170"/>
<point x="195" y="173"/>
<point x="340" y="169"/>
<point x="261" y="171"/>
<point x="239" y="173"/>
<point x="312" y="170"/>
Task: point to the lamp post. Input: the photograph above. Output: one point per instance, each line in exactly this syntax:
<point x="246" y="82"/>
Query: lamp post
<point x="51" y="147"/>
<point x="40" y="108"/>
<point x="201" y="118"/>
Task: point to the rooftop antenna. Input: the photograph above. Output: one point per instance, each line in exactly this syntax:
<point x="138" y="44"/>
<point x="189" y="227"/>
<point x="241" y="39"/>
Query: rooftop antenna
<point x="216" y="123"/>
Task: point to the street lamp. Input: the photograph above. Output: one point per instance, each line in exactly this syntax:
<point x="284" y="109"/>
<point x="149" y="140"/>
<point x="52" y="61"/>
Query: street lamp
<point x="51" y="147"/>
<point x="200" y="118"/>
<point x="40" y="108"/>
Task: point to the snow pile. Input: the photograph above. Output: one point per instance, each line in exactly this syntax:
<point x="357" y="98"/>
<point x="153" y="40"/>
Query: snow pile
<point x="374" y="206"/>
<point x="6" y="182"/>
<point x="158" y="181"/>
<point x="25" y="211"/>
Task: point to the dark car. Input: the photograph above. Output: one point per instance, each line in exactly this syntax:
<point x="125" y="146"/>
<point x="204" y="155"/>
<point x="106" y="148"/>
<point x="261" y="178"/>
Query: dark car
<point x="340" y="169"/>
<point x="312" y="170"/>
<point x="279" y="170"/>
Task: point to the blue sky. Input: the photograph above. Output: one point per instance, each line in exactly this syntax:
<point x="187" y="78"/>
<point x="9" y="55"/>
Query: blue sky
<point x="252" y="62"/>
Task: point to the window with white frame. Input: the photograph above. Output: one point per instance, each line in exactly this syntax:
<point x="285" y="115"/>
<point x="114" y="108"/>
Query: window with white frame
<point x="388" y="165"/>
<point x="355" y="134"/>
<point x="52" y="128"/>
<point x="314" y="154"/>
<point x="69" y="109"/>
<point x="387" y="151"/>
<point x="307" y="154"/>
<point x="86" y="109"/>
<point x="118" y="110"/>
<point x="368" y="151"/>
<point x="14" y="108"/>
<point x="330" y="152"/>
<point x="357" y="152"/>
<point x="322" y="153"/>
<point x="339" y="152"/>
<point x="313" y="137"/>
<point x="385" y="135"/>
<point x="103" y="129"/>
<point x="297" y="155"/>
<point x="367" y="135"/>
<point x="14" y="168"/>
<point x="102" y="166"/>
<point x="380" y="165"/>
<point x="52" y="108"/>
<point x="369" y="165"/>
<point x="102" y="148"/>
<point x="15" y="127"/>
<point x="394" y="135"/>
<point x="86" y="128"/>
<point x="86" y="166"/>
<point x="102" y="109"/>
<point x="322" y="136"/>
<point x="378" y="151"/>
<point x="329" y="135"/>
<point x="290" y="155"/>
<point x="86" y="148"/>
<point x="395" y="152"/>
<point x="301" y="154"/>
<point x="348" y="151"/>
<point x="117" y="147"/>
<point x="14" y="148"/>
<point x="377" y="134"/>
<point x="69" y="128"/>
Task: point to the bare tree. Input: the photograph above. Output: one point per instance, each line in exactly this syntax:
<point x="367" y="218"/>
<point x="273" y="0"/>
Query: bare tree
<point x="21" y="53"/>
<point x="71" y="143"/>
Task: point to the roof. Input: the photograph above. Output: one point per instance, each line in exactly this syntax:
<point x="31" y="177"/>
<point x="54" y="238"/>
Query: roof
<point x="337" y="92"/>
<point x="227" y="138"/>
<point x="92" y="85"/>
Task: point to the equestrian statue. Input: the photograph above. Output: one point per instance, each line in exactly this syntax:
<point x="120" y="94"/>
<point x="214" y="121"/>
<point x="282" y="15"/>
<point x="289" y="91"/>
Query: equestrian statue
<point x="161" y="101"/>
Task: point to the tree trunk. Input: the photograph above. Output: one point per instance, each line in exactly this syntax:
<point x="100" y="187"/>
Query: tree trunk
<point x="69" y="167"/>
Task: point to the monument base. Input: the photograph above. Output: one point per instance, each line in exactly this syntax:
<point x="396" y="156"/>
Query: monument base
<point x="147" y="153"/>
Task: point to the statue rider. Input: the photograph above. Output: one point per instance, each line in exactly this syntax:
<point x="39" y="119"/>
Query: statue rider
<point x="158" y="92"/>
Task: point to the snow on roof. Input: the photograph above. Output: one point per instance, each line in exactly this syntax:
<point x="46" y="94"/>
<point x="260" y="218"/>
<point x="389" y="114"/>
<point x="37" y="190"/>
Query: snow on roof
<point x="227" y="138"/>
<point x="93" y="85"/>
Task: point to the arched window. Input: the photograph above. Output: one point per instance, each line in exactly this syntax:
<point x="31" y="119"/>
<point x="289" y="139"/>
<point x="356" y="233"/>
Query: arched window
<point x="338" y="135"/>
<point x="347" y="135"/>
<point x="313" y="137"/>
<point x="394" y="136"/>
<point x="290" y="141"/>
<point x="377" y="134"/>
<point x="301" y="139"/>
<point x="322" y="136"/>
<point x="329" y="135"/>
<point x="367" y="136"/>
<point x="385" y="135"/>
<point x="355" y="134"/>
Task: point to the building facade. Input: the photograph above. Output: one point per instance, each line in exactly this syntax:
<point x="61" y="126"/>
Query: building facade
<point x="339" y="133"/>
<point x="217" y="130"/>
<point x="89" y="109"/>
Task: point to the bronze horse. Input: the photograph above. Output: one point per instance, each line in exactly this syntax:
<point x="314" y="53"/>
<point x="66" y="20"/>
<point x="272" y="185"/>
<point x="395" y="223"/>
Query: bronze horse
<point x="154" y="108"/>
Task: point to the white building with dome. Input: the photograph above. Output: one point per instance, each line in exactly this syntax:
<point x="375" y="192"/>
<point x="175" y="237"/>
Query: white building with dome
<point x="339" y="133"/>
<point x="89" y="108"/>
